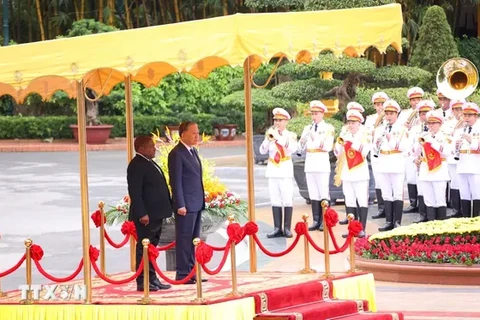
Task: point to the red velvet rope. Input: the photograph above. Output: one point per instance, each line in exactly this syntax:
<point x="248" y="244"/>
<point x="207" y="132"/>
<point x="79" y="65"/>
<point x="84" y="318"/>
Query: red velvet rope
<point x="276" y="254"/>
<point x="115" y="245"/>
<point x="124" y="281"/>
<point x="222" y="263"/>
<point x="54" y="279"/>
<point x="335" y="244"/>
<point x="14" y="268"/>
<point x="167" y="247"/>
<point x="174" y="282"/>
<point x="314" y="245"/>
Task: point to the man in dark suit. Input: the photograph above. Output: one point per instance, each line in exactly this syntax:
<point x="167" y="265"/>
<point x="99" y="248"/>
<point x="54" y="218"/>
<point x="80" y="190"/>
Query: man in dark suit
<point x="185" y="170"/>
<point x="150" y="203"/>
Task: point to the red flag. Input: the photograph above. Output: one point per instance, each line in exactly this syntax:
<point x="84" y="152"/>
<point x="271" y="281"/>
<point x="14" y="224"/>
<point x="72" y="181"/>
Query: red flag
<point x="280" y="153"/>
<point x="434" y="159"/>
<point x="354" y="157"/>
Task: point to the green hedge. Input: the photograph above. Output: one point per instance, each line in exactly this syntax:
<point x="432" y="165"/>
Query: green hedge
<point x="262" y="100"/>
<point x="469" y="48"/>
<point x="57" y="127"/>
<point x="399" y="76"/>
<point x="298" y="123"/>
<point x="304" y="90"/>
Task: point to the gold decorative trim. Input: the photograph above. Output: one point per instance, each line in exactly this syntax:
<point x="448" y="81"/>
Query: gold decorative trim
<point x="359" y="305"/>
<point x="297" y="315"/>
<point x="263" y="302"/>
<point x="325" y="290"/>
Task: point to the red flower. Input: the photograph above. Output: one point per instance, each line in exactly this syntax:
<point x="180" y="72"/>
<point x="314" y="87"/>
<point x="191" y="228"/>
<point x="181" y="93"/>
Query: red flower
<point x="235" y="232"/>
<point x="331" y="218"/>
<point x="204" y="253"/>
<point x="94" y="253"/>
<point x="36" y="252"/>
<point x="250" y="228"/>
<point x="354" y="227"/>
<point x="300" y="228"/>
<point x="96" y="216"/>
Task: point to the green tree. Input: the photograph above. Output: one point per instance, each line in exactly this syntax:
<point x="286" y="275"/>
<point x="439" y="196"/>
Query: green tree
<point x="343" y="4"/>
<point x="435" y="44"/>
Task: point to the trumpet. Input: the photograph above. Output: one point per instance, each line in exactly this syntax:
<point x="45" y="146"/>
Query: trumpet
<point x="340" y="141"/>
<point x="422" y="137"/>
<point x="270" y="134"/>
<point x="379" y="142"/>
<point x="459" y="146"/>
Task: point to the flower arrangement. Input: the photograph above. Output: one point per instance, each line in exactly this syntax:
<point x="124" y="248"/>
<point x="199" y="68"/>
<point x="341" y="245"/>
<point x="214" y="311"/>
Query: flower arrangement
<point x="219" y="202"/>
<point x="455" y="241"/>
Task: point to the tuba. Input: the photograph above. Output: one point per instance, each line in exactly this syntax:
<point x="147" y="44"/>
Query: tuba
<point x="457" y="78"/>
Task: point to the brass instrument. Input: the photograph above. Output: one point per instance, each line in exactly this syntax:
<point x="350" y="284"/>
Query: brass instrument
<point x="270" y="134"/>
<point x="422" y="137"/>
<point x="457" y="78"/>
<point x="460" y="123"/>
<point x="337" y="179"/>
<point x="379" y="143"/>
<point x="379" y="120"/>
<point x="412" y="116"/>
<point x="340" y="141"/>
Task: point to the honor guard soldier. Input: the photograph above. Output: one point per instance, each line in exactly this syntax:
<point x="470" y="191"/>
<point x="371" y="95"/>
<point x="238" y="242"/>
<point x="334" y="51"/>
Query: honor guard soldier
<point x="423" y="107"/>
<point x="372" y="122"/>
<point x="317" y="141"/>
<point x="434" y="146"/>
<point x="467" y="150"/>
<point x="352" y="149"/>
<point x="352" y="106"/>
<point x="445" y="104"/>
<point x="389" y="146"/>
<point x="449" y="128"/>
<point x="280" y="143"/>
<point x="409" y="118"/>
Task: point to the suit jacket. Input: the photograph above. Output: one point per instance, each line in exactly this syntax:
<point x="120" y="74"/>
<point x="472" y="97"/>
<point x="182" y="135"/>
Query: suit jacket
<point x="148" y="190"/>
<point x="186" y="179"/>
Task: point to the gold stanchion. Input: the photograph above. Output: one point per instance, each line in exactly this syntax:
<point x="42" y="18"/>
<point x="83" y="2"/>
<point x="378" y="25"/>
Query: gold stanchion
<point x="146" y="279"/>
<point x="352" y="269"/>
<point x="326" y="245"/>
<point x="133" y="245"/>
<point x="101" y="206"/>
<point x="233" y="261"/>
<point x="2" y="294"/>
<point x="28" y="269"/>
<point x="198" y="271"/>
<point x="306" y="249"/>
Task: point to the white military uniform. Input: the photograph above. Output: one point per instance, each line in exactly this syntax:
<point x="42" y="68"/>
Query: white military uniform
<point x="318" y="143"/>
<point x="352" y="106"/>
<point x="468" y="168"/>
<point x="434" y="181"/>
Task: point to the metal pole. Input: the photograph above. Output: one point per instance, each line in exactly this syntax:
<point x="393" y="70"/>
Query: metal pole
<point x="130" y="151"/>
<point x="250" y="165"/>
<point x="82" y="148"/>
<point x="6" y="31"/>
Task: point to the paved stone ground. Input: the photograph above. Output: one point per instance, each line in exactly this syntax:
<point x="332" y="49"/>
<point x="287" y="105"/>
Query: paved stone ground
<point x="40" y="193"/>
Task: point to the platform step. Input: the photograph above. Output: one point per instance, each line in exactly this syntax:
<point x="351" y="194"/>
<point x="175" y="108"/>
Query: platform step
<point x="323" y="309"/>
<point x="371" y="316"/>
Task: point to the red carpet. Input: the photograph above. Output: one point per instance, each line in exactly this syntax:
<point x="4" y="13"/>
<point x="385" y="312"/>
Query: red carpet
<point x="312" y="301"/>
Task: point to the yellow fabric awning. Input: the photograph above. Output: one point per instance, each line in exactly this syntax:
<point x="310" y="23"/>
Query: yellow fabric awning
<point x="196" y="47"/>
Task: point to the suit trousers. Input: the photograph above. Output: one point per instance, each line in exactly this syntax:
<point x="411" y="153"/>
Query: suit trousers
<point x="152" y="232"/>
<point x="317" y="183"/>
<point x="187" y="228"/>
<point x="469" y="186"/>
<point x="355" y="192"/>
<point x="391" y="185"/>
<point x="452" y="172"/>
<point x="410" y="171"/>
<point x="281" y="192"/>
<point x="434" y="193"/>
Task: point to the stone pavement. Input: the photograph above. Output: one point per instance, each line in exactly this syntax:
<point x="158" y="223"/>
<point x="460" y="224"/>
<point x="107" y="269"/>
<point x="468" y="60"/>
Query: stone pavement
<point x="417" y="301"/>
<point x="16" y="145"/>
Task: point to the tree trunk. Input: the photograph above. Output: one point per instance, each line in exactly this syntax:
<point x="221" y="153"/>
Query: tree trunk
<point x="145" y="12"/>
<point x="127" y="14"/>
<point x="100" y="10"/>
<point x="82" y="9"/>
<point x="163" y="9"/>
<point x="155" y="12"/>
<point x="111" y="6"/>
<point x="225" y="7"/>
<point x="40" y="19"/>
<point x="177" y="11"/>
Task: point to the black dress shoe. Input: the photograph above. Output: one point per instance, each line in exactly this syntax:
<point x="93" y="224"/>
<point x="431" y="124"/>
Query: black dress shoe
<point x="194" y="281"/>
<point x="151" y="287"/>
<point x="160" y="285"/>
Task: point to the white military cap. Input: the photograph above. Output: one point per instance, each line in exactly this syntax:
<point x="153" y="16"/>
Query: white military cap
<point x="435" y="116"/>
<point x="317" y="106"/>
<point x="379" y="97"/>
<point x="280" y="114"/>
<point x="391" y="105"/>
<point x="415" y="92"/>
<point x="354" y="115"/>
<point x="425" y="105"/>
<point x="355" y="106"/>
<point x="470" y="108"/>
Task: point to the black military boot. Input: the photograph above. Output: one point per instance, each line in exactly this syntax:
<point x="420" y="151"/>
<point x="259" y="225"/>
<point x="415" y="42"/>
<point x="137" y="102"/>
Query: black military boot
<point x="422" y="210"/>
<point x="455" y="202"/>
<point x="397" y="213"/>
<point x="388" y="217"/>
<point x="412" y="195"/>
<point x="447" y="195"/>
<point x="466" y="208"/>
<point x="441" y="213"/>
<point x="431" y="213"/>
<point x="363" y="215"/>
<point x="349" y="210"/>
<point x="476" y="208"/>
<point x="345" y="221"/>
<point x="287" y="224"/>
<point x="381" y="205"/>
<point x="317" y="216"/>
<point x="277" y="223"/>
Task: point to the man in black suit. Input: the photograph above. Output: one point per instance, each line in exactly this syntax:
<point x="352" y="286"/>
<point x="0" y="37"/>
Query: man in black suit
<point x="150" y="203"/>
<point x="185" y="170"/>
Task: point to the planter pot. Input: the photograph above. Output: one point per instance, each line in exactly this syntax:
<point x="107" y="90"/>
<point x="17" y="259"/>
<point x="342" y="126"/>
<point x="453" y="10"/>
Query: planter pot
<point x="225" y="132"/>
<point x="173" y="130"/>
<point x="168" y="236"/>
<point x="95" y="134"/>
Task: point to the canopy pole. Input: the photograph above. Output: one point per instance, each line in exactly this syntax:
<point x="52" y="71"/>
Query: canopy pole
<point x="130" y="149"/>
<point x="247" y="82"/>
<point x="82" y="148"/>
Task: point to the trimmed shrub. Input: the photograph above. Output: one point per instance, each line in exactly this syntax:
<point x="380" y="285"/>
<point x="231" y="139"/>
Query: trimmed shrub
<point x="399" y="76"/>
<point x="469" y="48"/>
<point x="304" y="90"/>
<point x="262" y="100"/>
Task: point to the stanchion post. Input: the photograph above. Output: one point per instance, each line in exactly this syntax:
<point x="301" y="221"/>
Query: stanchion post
<point x="198" y="271"/>
<point x="101" y="206"/>
<point x="306" y="248"/>
<point x="28" y="268"/>
<point x="2" y="294"/>
<point x="233" y="261"/>
<point x="326" y="244"/>
<point x="146" y="281"/>
<point x="352" y="269"/>
<point x="133" y="245"/>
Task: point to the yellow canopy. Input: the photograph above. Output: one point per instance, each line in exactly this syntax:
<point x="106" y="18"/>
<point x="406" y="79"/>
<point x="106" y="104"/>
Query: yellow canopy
<point x="196" y="47"/>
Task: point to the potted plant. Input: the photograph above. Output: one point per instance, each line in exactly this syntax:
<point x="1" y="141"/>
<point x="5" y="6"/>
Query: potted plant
<point x="97" y="133"/>
<point x="223" y="130"/>
<point x="219" y="201"/>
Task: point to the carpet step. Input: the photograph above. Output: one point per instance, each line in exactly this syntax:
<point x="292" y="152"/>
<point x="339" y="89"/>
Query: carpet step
<point x="323" y="309"/>
<point x="371" y="316"/>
